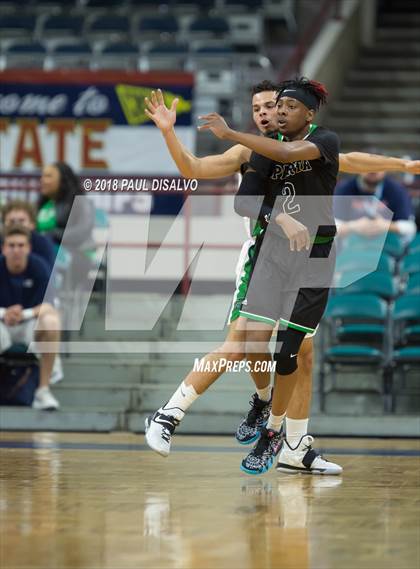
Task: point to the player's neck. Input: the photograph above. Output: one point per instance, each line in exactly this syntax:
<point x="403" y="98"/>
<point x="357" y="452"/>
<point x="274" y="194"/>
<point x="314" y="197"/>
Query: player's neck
<point x="299" y="135"/>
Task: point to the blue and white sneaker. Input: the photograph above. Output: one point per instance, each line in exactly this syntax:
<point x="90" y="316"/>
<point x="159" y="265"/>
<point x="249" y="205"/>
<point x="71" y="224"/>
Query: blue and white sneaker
<point x="263" y="455"/>
<point x="250" y="428"/>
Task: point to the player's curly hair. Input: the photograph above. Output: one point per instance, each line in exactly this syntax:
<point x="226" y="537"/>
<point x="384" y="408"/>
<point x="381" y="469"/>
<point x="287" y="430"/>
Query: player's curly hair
<point x="318" y="90"/>
<point x="264" y="86"/>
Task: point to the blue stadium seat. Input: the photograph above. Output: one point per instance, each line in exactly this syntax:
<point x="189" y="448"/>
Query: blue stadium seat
<point x="214" y="26"/>
<point x="253" y="5"/>
<point x="216" y="50"/>
<point x="120" y="48"/>
<point x="72" y="56"/>
<point x="25" y="55"/>
<point x="158" y="24"/>
<point x="26" y="49"/>
<point x="196" y="4"/>
<point x="118" y="55"/>
<point x="212" y="56"/>
<point x="73" y="49"/>
<point x="42" y="6"/>
<point x="165" y="56"/>
<point x="109" y="24"/>
<point x="15" y="26"/>
<point x="104" y="4"/>
<point x="63" y="25"/>
<point x="168" y="48"/>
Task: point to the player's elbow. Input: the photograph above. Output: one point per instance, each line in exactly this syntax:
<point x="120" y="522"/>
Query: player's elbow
<point x="247" y="206"/>
<point x="238" y="206"/>
<point x="187" y="172"/>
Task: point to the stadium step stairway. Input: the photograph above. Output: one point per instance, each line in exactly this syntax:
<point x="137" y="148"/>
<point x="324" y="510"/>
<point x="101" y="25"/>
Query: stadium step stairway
<point x="379" y="109"/>
<point x="378" y="124"/>
<point x="370" y="87"/>
<point x="377" y="78"/>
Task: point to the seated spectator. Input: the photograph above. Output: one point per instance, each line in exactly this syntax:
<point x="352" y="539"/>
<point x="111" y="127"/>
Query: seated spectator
<point x="59" y="188"/>
<point x="368" y="218"/>
<point x="26" y="312"/>
<point x="18" y="212"/>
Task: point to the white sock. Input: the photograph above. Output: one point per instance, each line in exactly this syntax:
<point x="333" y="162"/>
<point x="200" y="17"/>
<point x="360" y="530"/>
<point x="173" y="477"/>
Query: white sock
<point x="275" y="422"/>
<point x="295" y="430"/>
<point x="183" y="397"/>
<point x="264" y="394"/>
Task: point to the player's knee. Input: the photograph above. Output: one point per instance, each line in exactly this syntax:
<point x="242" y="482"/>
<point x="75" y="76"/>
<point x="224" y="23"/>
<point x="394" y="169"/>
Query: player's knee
<point x="285" y="363"/>
<point x="286" y="356"/>
<point x="256" y="342"/>
<point x="232" y="351"/>
<point x="235" y="356"/>
<point x="49" y="321"/>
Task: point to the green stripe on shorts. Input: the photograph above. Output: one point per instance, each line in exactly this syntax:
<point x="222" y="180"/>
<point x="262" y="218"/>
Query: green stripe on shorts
<point x="319" y="240"/>
<point x="257" y="318"/>
<point x="242" y="288"/>
<point x="295" y="326"/>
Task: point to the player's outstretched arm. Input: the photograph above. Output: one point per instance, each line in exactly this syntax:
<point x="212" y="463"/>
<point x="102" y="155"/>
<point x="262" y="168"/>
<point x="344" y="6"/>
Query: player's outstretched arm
<point x="189" y="165"/>
<point x="273" y="149"/>
<point x="362" y="162"/>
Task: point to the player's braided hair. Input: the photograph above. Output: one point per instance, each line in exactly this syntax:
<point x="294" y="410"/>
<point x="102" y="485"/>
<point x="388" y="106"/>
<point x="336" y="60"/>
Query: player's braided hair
<point x="314" y="88"/>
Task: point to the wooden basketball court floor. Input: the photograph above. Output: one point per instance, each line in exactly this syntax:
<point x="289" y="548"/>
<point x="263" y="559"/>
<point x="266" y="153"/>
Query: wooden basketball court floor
<point x="84" y="501"/>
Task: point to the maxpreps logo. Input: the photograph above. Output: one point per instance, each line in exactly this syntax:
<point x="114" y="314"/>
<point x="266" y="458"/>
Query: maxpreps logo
<point x="131" y="99"/>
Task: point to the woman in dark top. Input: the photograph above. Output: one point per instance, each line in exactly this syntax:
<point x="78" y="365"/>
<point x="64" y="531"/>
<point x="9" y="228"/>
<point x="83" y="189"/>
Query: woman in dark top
<point x="59" y="188"/>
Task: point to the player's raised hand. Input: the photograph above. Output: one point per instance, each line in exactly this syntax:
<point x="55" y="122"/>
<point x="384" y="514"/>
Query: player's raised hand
<point x="296" y="232"/>
<point x="163" y="117"/>
<point x="216" y="124"/>
<point x="412" y="166"/>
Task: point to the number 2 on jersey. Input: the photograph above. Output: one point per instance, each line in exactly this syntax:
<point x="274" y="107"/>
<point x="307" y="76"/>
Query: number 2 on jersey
<point x="289" y="207"/>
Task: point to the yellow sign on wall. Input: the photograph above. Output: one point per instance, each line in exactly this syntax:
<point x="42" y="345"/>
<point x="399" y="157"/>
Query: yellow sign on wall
<point x="131" y="99"/>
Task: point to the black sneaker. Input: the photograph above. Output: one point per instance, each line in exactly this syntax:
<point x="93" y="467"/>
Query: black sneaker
<point x="262" y="456"/>
<point x="250" y="428"/>
<point x="159" y="431"/>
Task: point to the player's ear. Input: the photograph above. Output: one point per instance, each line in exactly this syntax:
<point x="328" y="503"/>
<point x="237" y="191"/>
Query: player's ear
<point x="310" y="116"/>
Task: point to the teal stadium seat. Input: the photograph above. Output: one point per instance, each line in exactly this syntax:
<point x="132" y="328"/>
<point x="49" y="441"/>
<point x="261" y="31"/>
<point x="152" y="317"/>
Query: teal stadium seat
<point x="358" y="317"/>
<point x="359" y="336"/>
<point x="377" y="283"/>
<point x="406" y="316"/>
<point x="364" y="260"/>
<point x="415" y="243"/>
<point x="394" y="244"/>
<point x="413" y="283"/>
<point x="410" y="264"/>
<point x="406" y="352"/>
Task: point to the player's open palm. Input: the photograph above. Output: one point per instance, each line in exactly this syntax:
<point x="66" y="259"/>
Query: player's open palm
<point x="296" y="232"/>
<point x="163" y="117"/>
